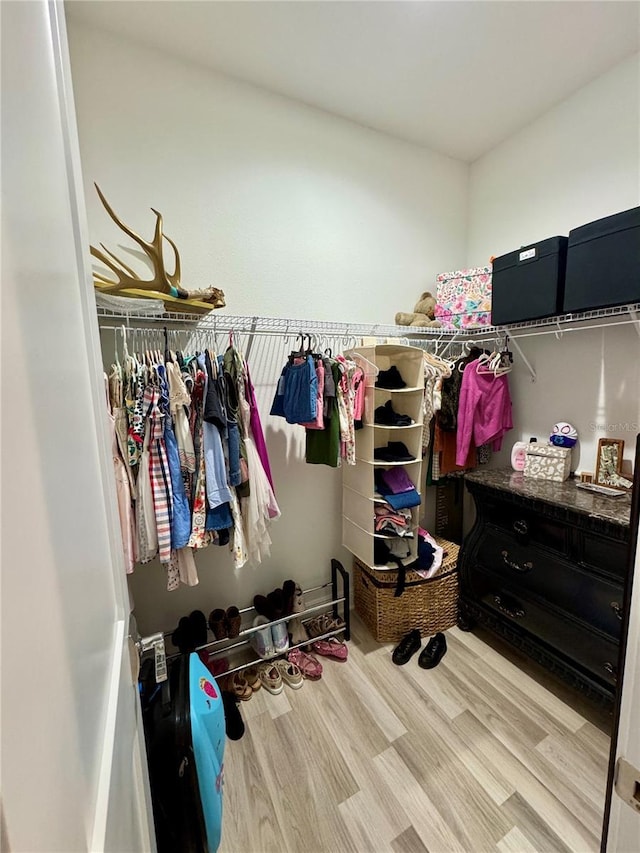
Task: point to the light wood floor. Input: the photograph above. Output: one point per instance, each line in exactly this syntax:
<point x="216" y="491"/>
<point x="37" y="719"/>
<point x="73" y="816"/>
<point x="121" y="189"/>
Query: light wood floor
<point x="474" y="755"/>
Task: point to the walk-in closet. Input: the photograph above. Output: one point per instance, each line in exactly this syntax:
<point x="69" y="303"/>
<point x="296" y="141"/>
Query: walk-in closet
<point x="321" y="406"/>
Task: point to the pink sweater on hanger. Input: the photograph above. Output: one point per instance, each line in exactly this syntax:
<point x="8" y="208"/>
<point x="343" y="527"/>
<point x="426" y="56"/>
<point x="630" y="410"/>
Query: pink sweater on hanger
<point x="484" y="410"/>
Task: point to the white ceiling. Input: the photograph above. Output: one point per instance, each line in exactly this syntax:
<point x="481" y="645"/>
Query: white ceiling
<point x="457" y="77"/>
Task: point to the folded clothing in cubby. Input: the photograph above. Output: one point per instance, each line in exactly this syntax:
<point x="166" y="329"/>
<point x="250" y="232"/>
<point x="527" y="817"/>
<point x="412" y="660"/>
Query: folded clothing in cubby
<point x="395" y="451"/>
<point x="396" y="488"/>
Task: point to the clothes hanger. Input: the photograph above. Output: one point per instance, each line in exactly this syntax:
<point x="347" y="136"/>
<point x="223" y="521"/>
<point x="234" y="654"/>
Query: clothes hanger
<point x="491" y="363"/>
<point x="115" y="347"/>
<point x="437" y="364"/>
<point x="297" y="353"/>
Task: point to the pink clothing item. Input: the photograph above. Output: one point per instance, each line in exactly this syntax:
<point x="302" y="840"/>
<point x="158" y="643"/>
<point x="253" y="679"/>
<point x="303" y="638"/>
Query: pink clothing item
<point x="358" y="401"/>
<point x="319" y="421"/>
<point x="484" y="410"/>
<point x="256" y="427"/>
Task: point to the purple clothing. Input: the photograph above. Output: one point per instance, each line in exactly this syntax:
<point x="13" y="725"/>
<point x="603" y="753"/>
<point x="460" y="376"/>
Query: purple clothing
<point x="484" y="410"/>
<point x="397" y="480"/>
<point x="256" y="428"/>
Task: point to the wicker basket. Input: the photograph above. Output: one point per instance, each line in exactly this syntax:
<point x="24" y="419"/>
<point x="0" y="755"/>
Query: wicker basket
<point x="430" y="605"/>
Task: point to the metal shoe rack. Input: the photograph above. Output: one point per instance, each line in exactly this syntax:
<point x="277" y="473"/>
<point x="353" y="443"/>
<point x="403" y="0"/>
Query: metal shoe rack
<point x="338" y="605"/>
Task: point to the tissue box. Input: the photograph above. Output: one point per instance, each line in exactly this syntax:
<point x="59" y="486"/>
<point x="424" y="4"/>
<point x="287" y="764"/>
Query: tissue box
<point x="464" y="298"/>
<point x="546" y="462"/>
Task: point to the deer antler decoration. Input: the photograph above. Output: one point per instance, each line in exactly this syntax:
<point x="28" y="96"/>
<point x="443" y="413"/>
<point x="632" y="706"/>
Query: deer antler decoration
<point x="163" y="283"/>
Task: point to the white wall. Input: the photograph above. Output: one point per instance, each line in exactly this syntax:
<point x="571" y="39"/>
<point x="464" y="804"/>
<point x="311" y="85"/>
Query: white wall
<point x="577" y="163"/>
<point x="292" y="212"/>
<point x="288" y="209"/>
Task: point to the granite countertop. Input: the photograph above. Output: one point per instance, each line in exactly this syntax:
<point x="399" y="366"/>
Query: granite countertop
<point x="614" y="510"/>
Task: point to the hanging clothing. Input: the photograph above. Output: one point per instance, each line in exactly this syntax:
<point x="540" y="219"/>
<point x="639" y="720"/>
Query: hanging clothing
<point x="323" y="446"/>
<point x="238" y="541"/>
<point x="179" y="400"/>
<point x="256" y="427"/>
<point x="199" y="538"/>
<point x="301" y="392"/>
<point x="232" y="367"/>
<point x="484" y="411"/>
<point x="219" y="518"/>
<point x="190" y="428"/>
<point x="259" y="508"/>
<point x="145" y="513"/>
<point x="159" y="473"/>
<point x="218" y="491"/>
<point x="448" y="415"/>
<point x="350" y="373"/>
<point x="123" y="493"/>
<point x="318" y="422"/>
<point x="181" y="513"/>
<point x="187" y="572"/>
<point x="214" y="411"/>
<point x="445" y="443"/>
<point x="173" y="572"/>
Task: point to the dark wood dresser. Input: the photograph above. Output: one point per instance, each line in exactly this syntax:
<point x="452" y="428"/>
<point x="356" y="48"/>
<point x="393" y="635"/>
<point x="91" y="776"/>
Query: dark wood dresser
<point x="544" y="567"/>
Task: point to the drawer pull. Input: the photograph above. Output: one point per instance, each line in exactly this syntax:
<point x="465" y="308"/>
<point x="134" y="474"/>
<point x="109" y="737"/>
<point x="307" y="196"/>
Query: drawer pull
<point x="521" y="526"/>
<point x="526" y="567"/>
<point x="513" y="612"/>
<point x="612" y="670"/>
<point x="617" y="609"/>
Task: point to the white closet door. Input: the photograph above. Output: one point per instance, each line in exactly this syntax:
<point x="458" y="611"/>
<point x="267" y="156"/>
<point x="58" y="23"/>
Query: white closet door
<point x="73" y="769"/>
<point x="623" y="832"/>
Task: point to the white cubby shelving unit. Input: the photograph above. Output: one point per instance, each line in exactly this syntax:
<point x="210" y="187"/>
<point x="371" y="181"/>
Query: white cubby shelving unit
<point x="359" y="490"/>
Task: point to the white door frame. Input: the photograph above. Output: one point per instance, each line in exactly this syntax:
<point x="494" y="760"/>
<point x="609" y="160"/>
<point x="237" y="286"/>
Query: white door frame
<point x="621" y="826"/>
<point x="104" y="835"/>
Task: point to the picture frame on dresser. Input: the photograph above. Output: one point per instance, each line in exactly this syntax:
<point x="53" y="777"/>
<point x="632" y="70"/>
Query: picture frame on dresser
<point x="609" y="464"/>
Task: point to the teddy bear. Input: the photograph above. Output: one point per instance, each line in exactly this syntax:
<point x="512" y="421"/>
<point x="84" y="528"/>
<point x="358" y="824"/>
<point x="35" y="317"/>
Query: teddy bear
<point x="423" y="313"/>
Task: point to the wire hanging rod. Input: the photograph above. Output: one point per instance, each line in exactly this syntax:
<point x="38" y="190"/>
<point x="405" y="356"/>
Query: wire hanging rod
<point x="257" y="325"/>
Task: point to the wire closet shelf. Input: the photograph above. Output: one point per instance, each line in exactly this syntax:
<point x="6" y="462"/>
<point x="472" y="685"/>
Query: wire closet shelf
<point x="215" y="322"/>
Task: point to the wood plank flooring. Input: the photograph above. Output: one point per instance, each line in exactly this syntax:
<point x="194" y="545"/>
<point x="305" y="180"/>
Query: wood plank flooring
<point x="482" y="753"/>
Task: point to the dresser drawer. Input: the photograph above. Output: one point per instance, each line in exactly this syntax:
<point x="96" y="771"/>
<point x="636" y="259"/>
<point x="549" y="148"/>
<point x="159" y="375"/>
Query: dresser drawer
<point x="605" y="554"/>
<point x="590" y="598"/>
<point x="593" y="652"/>
<point x="526" y="525"/>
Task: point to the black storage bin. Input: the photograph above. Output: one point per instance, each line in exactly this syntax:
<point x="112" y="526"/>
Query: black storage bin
<point x="603" y="263"/>
<point x="528" y="284"/>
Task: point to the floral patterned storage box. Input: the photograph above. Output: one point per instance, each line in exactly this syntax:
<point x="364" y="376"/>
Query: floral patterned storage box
<point x="546" y="462"/>
<point x="464" y="298"/>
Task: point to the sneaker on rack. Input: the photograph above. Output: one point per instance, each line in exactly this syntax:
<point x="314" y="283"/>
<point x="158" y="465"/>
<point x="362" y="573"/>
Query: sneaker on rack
<point x="280" y="636"/>
<point x="262" y="641"/>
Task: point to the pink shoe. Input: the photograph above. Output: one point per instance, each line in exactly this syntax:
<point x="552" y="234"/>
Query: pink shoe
<point x="331" y="648"/>
<point x="309" y="665"/>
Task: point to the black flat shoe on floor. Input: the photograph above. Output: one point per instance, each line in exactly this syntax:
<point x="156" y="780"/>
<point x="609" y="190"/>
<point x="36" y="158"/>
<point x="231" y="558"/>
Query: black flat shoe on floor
<point x="406" y="648"/>
<point x="464" y="624"/>
<point x="433" y="652"/>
